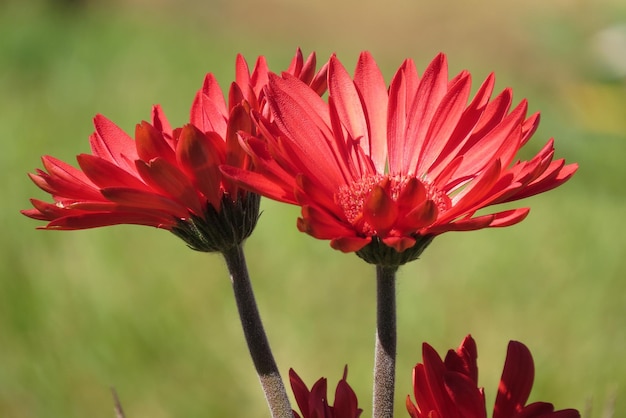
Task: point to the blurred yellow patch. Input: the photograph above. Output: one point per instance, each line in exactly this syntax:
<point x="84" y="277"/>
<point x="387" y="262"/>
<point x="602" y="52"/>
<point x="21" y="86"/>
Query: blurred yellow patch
<point x="598" y="107"/>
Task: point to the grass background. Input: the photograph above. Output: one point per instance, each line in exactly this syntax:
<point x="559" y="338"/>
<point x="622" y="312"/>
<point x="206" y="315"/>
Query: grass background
<point x="132" y="307"/>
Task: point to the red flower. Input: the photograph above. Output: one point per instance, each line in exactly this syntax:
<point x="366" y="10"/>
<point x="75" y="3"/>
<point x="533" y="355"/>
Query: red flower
<point x="379" y="169"/>
<point x="168" y="178"/>
<point x="449" y="389"/>
<point x="314" y="403"/>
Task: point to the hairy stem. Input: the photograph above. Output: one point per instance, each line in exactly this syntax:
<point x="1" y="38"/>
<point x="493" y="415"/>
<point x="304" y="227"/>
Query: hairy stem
<point x="385" y="354"/>
<point x="258" y="344"/>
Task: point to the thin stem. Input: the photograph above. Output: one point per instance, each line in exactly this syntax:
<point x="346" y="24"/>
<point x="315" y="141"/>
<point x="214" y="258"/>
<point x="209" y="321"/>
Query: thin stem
<point x="258" y="344"/>
<point x="385" y="354"/>
<point x="117" y="405"/>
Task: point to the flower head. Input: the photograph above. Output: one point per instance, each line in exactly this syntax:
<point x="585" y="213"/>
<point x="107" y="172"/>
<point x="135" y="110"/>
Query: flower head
<point x="449" y="388"/>
<point x="169" y="178"/>
<point x="163" y="178"/>
<point x="381" y="171"/>
<point x="314" y="403"/>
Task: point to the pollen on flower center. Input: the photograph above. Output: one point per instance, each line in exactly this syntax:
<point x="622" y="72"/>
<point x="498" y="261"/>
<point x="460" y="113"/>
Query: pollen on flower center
<point x="352" y="197"/>
<point x="393" y="196"/>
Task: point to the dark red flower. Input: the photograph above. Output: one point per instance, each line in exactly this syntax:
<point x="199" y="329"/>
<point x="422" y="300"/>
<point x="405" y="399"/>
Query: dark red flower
<point x="314" y="403"/>
<point x="449" y="388"/>
<point x="169" y="178"/>
<point x="379" y="169"/>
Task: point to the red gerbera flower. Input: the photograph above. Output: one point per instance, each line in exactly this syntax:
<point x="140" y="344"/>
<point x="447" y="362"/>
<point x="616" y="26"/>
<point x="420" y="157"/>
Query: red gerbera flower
<point x="314" y="403"/>
<point x="380" y="171"/>
<point x="449" y="388"/>
<point x="168" y="178"/>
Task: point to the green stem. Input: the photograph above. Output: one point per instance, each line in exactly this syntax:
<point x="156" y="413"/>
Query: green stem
<point x="258" y="344"/>
<point x="385" y="352"/>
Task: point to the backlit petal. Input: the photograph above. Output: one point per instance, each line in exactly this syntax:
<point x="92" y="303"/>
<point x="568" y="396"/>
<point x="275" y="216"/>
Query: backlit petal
<point x="371" y="86"/>
<point x="516" y="382"/>
<point x="200" y="156"/>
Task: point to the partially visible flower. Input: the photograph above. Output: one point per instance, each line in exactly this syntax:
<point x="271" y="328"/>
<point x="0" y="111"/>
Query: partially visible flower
<point x="382" y="171"/>
<point x="314" y="403"/>
<point x="449" y="388"/>
<point x="169" y="178"/>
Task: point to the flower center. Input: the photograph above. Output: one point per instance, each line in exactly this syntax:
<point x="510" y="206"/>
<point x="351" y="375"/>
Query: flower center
<point x="378" y="203"/>
<point x="352" y="197"/>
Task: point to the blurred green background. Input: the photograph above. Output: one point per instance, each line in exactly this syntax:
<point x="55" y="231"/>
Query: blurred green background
<point x="132" y="307"/>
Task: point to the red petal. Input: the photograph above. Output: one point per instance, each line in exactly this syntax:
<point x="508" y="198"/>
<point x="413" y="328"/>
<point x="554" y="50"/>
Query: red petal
<point x="261" y="184"/>
<point x="484" y="151"/>
<point x="509" y="217"/>
<point x="64" y="180"/>
<point x="96" y="220"/>
<point x="412" y="195"/>
<point x="64" y="171"/>
<point x="516" y="382"/>
<point x="106" y="174"/>
<point x="151" y="144"/>
<point x="431" y="90"/>
<point x="322" y="225"/>
<point x="171" y="182"/>
<point x="259" y="77"/>
<point x="435" y="371"/>
<point x="212" y="89"/>
<point x="396" y="122"/>
<point x="529" y="127"/>
<point x="238" y="95"/>
<point x="466" y="124"/>
<point x="242" y="73"/>
<point x="300" y="392"/>
<point x="348" y="104"/>
<point x="465" y="396"/>
<point x="380" y="210"/>
<point x="239" y="120"/>
<point x="111" y="143"/>
<point x="469" y="224"/>
<point x="346" y="402"/>
<point x="371" y="86"/>
<point x="444" y="122"/>
<point x="160" y="122"/>
<point x="318" y="405"/>
<point x="470" y="198"/>
<point x="419" y="217"/>
<point x="45" y="211"/>
<point x="345" y="149"/>
<point x="304" y="118"/>
<point x="493" y="114"/>
<point x="411" y="408"/>
<point x="463" y="360"/>
<point x="349" y="244"/>
<point x="421" y="390"/>
<point x="306" y="72"/>
<point x="295" y="66"/>
<point x="208" y="110"/>
<point x="310" y="191"/>
<point x="400" y="244"/>
<point x="548" y="181"/>
<point x="145" y="200"/>
<point x="536" y="410"/>
<point x="200" y="156"/>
